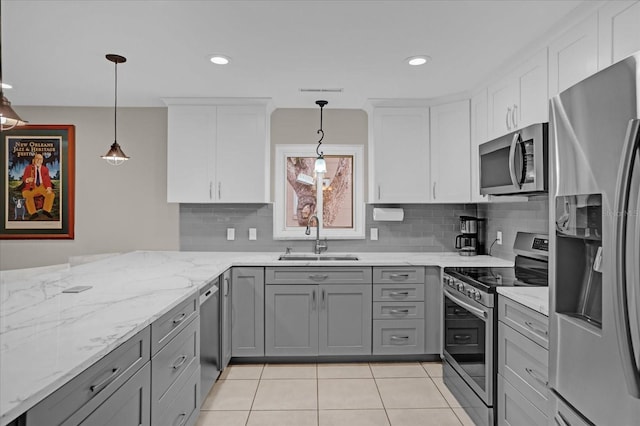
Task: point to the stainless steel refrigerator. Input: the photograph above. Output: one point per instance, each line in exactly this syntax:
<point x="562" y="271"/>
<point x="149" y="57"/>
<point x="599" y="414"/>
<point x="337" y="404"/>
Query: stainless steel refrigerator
<point x="594" y="268"/>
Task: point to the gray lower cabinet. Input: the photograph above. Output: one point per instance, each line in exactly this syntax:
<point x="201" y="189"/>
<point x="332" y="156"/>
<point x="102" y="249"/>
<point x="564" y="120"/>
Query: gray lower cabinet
<point x="398" y="310"/>
<point x="151" y="379"/>
<point x="102" y="383"/>
<point x="303" y="317"/>
<point x="247" y="312"/>
<point x="225" y="316"/>
<point x="523" y="365"/>
<point x="129" y="406"/>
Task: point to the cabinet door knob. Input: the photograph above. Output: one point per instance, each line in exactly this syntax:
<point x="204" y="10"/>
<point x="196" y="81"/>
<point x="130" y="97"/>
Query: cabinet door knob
<point x="508" y="118"/>
<point x="514" y="116"/>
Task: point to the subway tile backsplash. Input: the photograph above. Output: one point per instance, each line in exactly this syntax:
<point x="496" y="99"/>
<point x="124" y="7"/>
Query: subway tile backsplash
<point x="425" y="228"/>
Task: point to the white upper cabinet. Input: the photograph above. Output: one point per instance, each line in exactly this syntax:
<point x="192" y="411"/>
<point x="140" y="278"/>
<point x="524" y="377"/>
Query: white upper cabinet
<point x="478" y="136"/>
<point x="451" y="152"/>
<point x="217" y="153"/>
<point x="573" y="56"/>
<point x="400" y="155"/>
<point x="618" y="31"/>
<point x="520" y="98"/>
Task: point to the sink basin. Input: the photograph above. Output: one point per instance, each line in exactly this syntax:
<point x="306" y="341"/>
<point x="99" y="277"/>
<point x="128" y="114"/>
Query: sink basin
<point x="310" y="257"/>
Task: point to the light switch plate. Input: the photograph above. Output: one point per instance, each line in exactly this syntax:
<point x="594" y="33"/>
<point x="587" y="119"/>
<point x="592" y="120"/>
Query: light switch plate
<point x="253" y="234"/>
<point x="499" y="237"/>
<point x="231" y="234"/>
<point x="374" y="234"/>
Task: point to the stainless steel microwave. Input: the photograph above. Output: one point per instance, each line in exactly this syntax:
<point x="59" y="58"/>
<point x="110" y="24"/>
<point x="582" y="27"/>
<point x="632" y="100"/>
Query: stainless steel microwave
<point x="516" y="163"/>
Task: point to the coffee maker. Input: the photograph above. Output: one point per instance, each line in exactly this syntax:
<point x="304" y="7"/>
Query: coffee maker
<point x="471" y="241"/>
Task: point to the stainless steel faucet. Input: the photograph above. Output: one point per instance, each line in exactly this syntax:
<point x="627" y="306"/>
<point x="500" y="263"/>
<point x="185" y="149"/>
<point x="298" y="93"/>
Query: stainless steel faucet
<point x="319" y="246"/>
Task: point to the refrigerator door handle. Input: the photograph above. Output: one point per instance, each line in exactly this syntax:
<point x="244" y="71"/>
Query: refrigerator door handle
<point x="512" y="157"/>
<point x="621" y="301"/>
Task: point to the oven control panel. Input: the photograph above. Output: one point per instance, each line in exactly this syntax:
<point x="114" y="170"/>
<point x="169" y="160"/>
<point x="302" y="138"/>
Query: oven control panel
<point x="467" y="290"/>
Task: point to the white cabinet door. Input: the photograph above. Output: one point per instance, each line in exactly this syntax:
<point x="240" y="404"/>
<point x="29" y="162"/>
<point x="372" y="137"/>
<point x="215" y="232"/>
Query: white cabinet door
<point x="479" y="136"/>
<point x="520" y="98"/>
<point x="218" y="153"/>
<point x="190" y="148"/>
<point x="451" y="152"/>
<point x="242" y="155"/>
<point x="401" y="155"/>
<point x="618" y="31"/>
<point x="531" y="104"/>
<point x="574" y="55"/>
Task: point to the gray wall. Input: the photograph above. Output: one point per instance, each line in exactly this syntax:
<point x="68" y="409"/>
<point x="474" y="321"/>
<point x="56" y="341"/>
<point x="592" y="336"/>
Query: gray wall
<point x="428" y="227"/>
<point x="117" y="209"/>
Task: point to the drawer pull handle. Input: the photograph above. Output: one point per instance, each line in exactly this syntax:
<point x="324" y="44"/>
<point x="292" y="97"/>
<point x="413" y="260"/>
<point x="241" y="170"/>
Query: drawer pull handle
<point x="536" y="329"/>
<point x="180" y="419"/>
<point x="536" y="376"/>
<point x="103" y="384"/>
<point x="464" y="337"/>
<point x="399" y="339"/>
<point x="399" y="277"/>
<point x="318" y="277"/>
<point x="399" y="293"/>
<point x="399" y="311"/>
<point x="179" y="362"/>
<point x="177" y="320"/>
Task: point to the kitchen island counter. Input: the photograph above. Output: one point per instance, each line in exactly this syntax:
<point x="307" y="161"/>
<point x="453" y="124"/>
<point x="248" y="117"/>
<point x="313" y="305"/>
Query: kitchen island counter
<point x="47" y="337"/>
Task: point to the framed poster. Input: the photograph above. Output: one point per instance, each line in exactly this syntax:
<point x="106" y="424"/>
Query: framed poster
<point x="296" y="192"/>
<point x="38" y="170"/>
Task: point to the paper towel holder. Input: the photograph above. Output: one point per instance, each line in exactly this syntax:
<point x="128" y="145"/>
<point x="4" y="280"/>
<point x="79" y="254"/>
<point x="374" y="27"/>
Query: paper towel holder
<point x="388" y="214"/>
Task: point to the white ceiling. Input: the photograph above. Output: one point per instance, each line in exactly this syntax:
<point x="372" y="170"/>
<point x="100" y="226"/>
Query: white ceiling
<point x="53" y="51"/>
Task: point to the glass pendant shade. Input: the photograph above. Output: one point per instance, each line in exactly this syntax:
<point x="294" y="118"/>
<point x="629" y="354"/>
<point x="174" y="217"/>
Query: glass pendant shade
<point x="321" y="165"/>
<point x="115" y="156"/>
<point x="8" y="117"/>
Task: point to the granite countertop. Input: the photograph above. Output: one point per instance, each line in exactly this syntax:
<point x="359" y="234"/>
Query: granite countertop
<point x="48" y="337"/>
<point x="536" y="298"/>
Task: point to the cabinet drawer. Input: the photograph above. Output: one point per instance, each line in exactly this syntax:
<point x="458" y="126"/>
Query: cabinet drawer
<point x="524" y="364"/>
<point x="184" y="408"/>
<point x="84" y="393"/>
<point x="398" y="292"/>
<point x="398" y="310"/>
<point x="317" y="275"/>
<point x="384" y="275"/>
<point x="532" y="324"/>
<point x="514" y="409"/>
<point x="181" y="356"/>
<point x="398" y="337"/>
<point x="167" y="326"/>
<point x="128" y="406"/>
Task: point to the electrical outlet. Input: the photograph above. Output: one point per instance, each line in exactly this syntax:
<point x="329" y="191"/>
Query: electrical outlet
<point x="231" y="234"/>
<point x="374" y="234"/>
<point x="253" y="235"/>
<point x="499" y="237"/>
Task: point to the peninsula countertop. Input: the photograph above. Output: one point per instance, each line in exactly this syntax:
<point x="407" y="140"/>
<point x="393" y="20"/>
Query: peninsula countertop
<point x="47" y="337"/>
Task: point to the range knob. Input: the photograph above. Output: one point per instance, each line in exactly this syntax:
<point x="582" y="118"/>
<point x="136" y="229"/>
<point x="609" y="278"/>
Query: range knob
<point x="460" y="287"/>
<point x="477" y="296"/>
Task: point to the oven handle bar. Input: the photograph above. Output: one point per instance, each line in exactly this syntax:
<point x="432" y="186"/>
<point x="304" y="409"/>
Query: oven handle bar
<point x="475" y="311"/>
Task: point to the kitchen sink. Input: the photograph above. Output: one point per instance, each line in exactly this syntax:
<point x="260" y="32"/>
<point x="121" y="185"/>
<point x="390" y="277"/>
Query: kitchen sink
<point x="310" y="257"/>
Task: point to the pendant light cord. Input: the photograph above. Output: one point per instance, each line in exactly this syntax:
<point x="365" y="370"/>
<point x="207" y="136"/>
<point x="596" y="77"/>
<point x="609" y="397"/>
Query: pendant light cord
<point x="115" y="108"/>
<point x="320" y="131"/>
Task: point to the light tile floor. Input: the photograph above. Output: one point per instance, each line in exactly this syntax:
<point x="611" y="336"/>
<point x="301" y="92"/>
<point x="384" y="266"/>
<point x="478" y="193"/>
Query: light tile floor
<point x="354" y="394"/>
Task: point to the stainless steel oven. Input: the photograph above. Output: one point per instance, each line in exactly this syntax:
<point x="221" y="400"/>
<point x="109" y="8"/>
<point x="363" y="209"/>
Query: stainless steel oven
<point x="470" y="323"/>
<point x="469" y="333"/>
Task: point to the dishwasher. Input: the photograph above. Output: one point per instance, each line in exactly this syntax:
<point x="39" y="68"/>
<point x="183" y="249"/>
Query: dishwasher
<point x="210" y="348"/>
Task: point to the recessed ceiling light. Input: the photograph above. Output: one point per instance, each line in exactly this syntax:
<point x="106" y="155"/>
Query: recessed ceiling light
<point x="7" y="86"/>
<point x="418" y="60"/>
<point x="219" y="59"/>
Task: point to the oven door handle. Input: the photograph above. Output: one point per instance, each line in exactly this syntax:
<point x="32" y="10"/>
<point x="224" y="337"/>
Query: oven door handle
<point x="475" y="311"/>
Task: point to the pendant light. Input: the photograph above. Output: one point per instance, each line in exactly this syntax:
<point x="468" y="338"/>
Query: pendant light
<point x="321" y="165"/>
<point x="8" y="117"/>
<point x="115" y="156"/>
